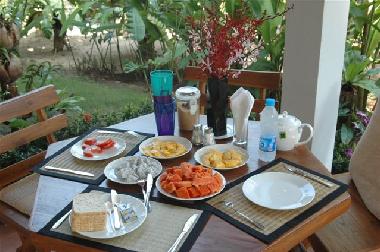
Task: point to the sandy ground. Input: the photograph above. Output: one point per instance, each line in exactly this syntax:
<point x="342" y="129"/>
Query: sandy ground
<point x="35" y="49"/>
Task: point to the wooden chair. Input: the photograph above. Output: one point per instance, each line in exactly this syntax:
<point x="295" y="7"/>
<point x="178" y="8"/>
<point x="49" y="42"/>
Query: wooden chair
<point x="356" y="230"/>
<point x="17" y="180"/>
<point x="263" y="81"/>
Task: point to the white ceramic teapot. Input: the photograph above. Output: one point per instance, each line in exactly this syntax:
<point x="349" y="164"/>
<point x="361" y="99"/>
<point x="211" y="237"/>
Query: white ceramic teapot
<point x="289" y="132"/>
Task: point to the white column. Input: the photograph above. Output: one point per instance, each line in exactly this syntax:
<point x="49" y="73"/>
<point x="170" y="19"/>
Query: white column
<point x="314" y="52"/>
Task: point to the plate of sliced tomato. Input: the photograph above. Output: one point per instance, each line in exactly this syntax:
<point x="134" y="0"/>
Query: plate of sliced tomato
<point x="98" y="148"/>
<point x="190" y="182"/>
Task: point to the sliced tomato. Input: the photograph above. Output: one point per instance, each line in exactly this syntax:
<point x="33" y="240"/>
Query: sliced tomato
<point x="101" y="144"/>
<point x="96" y="149"/>
<point x="90" y="141"/>
<point x="87" y="153"/>
<point x="85" y="146"/>
<point x="109" y="145"/>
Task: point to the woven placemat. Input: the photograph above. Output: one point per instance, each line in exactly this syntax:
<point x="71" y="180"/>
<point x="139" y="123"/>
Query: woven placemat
<point x="276" y="222"/>
<point x="21" y="194"/>
<point x="159" y="231"/>
<point x="64" y="159"/>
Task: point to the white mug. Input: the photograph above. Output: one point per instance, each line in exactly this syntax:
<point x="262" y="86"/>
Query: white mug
<point x="289" y="132"/>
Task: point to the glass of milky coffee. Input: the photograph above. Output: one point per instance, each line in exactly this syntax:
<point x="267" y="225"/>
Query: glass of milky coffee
<point x="187" y="107"/>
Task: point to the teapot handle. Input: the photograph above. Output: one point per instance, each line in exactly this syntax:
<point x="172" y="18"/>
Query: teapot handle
<point x="311" y="134"/>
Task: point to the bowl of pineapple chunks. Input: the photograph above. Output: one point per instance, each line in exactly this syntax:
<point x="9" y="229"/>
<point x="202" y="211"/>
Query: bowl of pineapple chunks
<point x="221" y="156"/>
<point x="165" y="147"/>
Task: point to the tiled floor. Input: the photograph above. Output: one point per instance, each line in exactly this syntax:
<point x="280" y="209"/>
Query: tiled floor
<point x="9" y="240"/>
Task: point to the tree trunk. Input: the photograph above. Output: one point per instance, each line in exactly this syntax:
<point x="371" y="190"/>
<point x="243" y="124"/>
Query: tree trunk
<point x="59" y="40"/>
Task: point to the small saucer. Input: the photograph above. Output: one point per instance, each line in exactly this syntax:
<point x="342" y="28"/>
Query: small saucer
<point x="229" y="134"/>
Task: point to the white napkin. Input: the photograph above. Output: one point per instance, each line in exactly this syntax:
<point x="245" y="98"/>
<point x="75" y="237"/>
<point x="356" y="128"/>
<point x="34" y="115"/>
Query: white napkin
<point x="241" y="105"/>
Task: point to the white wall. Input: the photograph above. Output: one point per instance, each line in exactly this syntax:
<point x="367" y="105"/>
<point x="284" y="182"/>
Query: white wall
<point x="314" y="52"/>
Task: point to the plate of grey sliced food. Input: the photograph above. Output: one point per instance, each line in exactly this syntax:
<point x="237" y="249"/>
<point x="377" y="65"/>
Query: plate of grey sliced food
<point x="131" y="170"/>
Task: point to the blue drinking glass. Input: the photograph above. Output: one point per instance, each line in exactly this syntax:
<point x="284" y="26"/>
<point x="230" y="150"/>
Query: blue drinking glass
<point x="165" y="117"/>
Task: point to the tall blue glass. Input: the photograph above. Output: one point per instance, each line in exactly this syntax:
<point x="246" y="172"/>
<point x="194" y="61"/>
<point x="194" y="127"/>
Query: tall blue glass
<point x="165" y="117"/>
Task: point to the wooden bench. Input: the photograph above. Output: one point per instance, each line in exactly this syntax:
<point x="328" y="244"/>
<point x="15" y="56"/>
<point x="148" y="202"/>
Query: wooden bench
<point x="356" y="230"/>
<point x="261" y="80"/>
<point x="17" y="177"/>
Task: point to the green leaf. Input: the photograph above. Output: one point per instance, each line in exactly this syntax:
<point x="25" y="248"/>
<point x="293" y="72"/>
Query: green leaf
<point x="35" y="23"/>
<point x="135" y="25"/>
<point x="130" y="67"/>
<point x="18" y="123"/>
<point x="86" y="6"/>
<point x="369" y="85"/>
<point x="346" y="134"/>
<point x="231" y="6"/>
<point x="343" y="111"/>
<point x="180" y="49"/>
<point x="354" y="69"/>
<point x="68" y="22"/>
<point x="265" y="31"/>
<point x="255" y="8"/>
<point x="373" y="71"/>
<point x="4" y="129"/>
<point x="184" y="62"/>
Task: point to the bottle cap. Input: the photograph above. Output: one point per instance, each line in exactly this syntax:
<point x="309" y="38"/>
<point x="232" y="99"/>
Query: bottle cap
<point x="270" y="102"/>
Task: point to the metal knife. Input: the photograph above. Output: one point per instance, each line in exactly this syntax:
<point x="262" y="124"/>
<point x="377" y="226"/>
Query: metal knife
<point x="306" y="175"/>
<point x="48" y="167"/>
<point x="189" y="223"/>
<point x="117" y="132"/>
<point x="149" y="184"/>
<point x="61" y="220"/>
<point x="116" y="214"/>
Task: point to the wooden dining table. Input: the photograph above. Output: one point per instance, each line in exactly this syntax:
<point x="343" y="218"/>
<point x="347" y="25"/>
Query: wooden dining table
<point x="53" y="194"/>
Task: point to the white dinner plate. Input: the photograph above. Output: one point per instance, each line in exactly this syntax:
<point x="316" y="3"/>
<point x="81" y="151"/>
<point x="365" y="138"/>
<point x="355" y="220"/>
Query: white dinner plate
<point x="278" y="190"/>
<point x="229" y="133"/>
<point x="140" y="211"/>
<point x="181" y="140"/>
<point x="162" y="191"/>
<point x="109" y="171"/>
<point x="222" y="148"/>
<point x="120" y="145"/>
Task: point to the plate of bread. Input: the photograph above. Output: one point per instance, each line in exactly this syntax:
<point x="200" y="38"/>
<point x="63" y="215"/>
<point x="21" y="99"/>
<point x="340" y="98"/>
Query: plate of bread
<point x="90" y="216"/>
<point x="221" y="156"/>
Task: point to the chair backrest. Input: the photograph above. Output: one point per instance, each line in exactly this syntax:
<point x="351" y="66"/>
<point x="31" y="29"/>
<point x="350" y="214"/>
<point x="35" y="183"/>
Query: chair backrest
<point x="34" y="101"/>
<point x="261" y="80"/>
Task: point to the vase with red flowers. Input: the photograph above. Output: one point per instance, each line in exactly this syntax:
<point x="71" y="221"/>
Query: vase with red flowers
<point x="221" y="41"/>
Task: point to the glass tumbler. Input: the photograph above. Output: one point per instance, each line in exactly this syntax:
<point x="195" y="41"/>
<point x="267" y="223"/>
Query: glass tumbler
<point x="165" y="117"/>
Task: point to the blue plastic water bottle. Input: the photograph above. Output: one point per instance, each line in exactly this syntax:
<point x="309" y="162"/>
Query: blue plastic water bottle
<point x="269" y="130"/>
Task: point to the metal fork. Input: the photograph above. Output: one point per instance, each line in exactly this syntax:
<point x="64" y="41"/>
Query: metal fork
<point x="229" y="204"/>
<point x="141" y="183"/>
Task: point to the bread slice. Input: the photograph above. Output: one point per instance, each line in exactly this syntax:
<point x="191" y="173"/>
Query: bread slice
<point x="89" y="212"/>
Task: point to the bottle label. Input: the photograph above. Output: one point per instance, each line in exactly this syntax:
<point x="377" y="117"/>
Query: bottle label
<point x="268" y="143"/>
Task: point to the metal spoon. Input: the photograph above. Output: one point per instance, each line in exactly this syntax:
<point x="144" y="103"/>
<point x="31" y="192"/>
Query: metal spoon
<point x="254" y="222"/>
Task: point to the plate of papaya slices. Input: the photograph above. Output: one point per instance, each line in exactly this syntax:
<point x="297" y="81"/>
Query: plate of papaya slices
<point x="190" y="182"/>
<point x="98" y="148"/>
